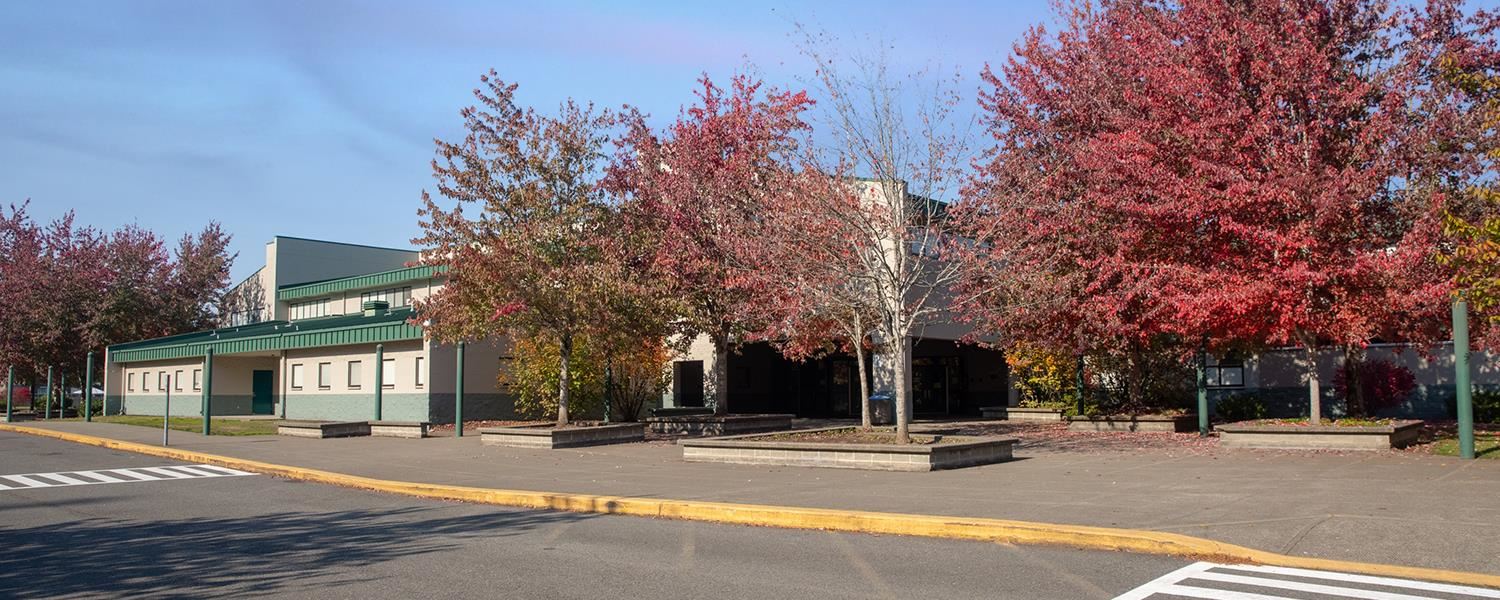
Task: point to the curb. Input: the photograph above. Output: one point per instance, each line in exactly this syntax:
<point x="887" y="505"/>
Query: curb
<point x="854" y="521"/>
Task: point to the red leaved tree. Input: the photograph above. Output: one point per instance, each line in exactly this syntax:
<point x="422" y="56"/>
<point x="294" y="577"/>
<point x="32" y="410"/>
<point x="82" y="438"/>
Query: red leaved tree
<point x="1262" y="171"/>
<point x="697" y="191"/>
<point x="536" y="259"/>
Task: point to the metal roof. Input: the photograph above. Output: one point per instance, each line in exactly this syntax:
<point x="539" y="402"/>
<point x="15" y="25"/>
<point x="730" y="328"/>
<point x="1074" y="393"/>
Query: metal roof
<point x="369" y="280"/>
<point x="386" y="326"/>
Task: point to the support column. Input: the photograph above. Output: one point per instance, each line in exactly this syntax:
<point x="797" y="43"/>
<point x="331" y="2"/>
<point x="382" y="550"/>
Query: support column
<point x="208" y="387"/>
<point x="379" y="377"/>
<point x="88" y="388"/>
<point x="62" y="393"/>
<point x="10" y="397"/>
<point x="1463" y="392"/>
<point x="458" y="394"/>
<point x="47" y="400"/>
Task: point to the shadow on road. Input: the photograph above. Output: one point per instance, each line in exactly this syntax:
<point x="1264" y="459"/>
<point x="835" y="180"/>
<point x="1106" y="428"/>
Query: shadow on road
<point x="263" y="555"/>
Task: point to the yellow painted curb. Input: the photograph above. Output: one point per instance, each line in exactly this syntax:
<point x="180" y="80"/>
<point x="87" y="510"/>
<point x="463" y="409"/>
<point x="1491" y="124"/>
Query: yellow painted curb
<point x="960" y="528"/>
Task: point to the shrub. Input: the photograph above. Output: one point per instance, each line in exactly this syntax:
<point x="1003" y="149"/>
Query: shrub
<point x="1044" y="378"/>
<point x="639" y="371"/>
<point x="1142" y="378"/>
<point x="1487" y="406"/>
<point x="1378" y="384"/>
<point x="1240" y="407"/>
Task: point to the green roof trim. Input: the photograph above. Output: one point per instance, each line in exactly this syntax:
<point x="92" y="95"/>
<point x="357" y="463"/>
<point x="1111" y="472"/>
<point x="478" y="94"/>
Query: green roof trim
<point x="389" y="326"/>
<point x="342" y="284"/>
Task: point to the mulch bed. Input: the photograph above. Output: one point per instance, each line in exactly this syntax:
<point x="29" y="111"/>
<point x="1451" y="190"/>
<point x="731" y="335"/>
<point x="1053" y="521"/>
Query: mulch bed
<point x="474" y="426"/>
<point x="1055" y="437"/>
<point x="849" y="436"/>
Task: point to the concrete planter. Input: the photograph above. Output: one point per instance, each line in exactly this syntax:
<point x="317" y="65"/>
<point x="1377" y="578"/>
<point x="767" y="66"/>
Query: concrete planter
<point x="549" y="436"/>
<point x="1325" y="437"/>
<point x="718" y="424"/>
<point x="323" y="429"/>
<point x="400" y="429"/>
<point x="1137" y="423"/>
<point x="1017" y="413"/>
<point x="678" y="411"/>
<point x="756" y="450"/>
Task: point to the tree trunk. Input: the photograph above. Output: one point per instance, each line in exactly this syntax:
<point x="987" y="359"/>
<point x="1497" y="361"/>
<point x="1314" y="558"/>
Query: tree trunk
<point x="1354" y="391"/>
<point x="867" y="419"/>
<point x="902" y="347"/>
<point x="720" y="379"/>
<point x="1314" y="397"/>
<point x="564" y="380"/>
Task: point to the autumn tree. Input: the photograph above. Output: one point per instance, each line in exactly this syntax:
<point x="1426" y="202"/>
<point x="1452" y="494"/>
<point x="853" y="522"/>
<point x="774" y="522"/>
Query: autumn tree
<point x="698" y="191"/>
<point x="896" y="141"/>
<point x="1262" y="172"/>
<point x="1474" y="249"/>
<point x="533" y="262"/>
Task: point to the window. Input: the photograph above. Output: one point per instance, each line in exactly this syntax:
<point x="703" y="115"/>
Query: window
<point x="310" y="309"/>
<point x="325" y="375"/>
<point x="130" y="382"/>
<point x="356" y="374"/>
<point x="1225" y="374"/>
<point x="146" y="381"/>
<point x="296" y="377"/>
<point x="197" y="379"/>
<point x="419" y="378"/>
<point x="161" y="381"/>
<point x="177" y="377"/>
<point x="396" y="297"/>
<point x="388" y="373"/>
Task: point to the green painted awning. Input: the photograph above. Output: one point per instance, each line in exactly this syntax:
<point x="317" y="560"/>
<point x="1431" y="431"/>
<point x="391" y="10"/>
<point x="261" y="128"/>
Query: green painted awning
<point x="357" y="282"/>
<point x="387" y="326"/>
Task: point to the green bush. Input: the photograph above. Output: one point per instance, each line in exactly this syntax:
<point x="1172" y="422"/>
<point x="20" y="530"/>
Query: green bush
<point x="1240" y="407"/>
<point x="1487" y="406"/>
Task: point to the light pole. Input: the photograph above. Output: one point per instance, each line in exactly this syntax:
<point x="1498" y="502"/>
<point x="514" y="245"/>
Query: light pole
<point x="1462" y="392"/>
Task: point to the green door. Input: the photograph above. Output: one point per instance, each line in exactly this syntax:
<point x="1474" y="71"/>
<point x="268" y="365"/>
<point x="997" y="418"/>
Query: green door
<point x="262" y="385"/>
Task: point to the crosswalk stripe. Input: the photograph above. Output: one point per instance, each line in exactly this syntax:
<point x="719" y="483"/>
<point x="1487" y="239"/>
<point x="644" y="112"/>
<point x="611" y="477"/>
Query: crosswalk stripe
<point x="107" y="476"/>
<point x="1211" y="581"/>
<point x="195" y="471"/>
<point x="133" y="475"/>
<point x="65" y="479"/>
<point x="100" y="476"/>
<point x="26" y="481"/>
<point x="167" y="472"/>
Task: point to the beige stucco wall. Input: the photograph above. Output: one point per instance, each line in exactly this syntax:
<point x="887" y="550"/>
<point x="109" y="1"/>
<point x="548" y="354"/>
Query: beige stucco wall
<point x="404" y="353"/>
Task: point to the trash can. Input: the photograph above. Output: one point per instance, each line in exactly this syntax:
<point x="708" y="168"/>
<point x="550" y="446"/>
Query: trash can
<point x="882" y="409"/>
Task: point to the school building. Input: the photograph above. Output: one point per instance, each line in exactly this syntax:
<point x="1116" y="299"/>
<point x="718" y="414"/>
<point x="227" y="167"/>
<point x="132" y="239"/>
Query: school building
<point x="321" y="332"/>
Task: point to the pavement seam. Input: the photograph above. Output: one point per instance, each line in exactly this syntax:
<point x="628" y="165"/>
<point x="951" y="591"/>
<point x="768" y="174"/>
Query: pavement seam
<point x="790" y="517"/>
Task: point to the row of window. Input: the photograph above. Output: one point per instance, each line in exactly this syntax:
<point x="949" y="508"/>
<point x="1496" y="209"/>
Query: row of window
<point x="322" y="307"/>
<point x="164" y="379"/>
<point x="354" y="374"/>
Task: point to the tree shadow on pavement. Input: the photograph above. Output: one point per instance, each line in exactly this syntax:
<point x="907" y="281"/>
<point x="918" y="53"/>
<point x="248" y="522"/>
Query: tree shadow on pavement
<point x="257" y="556"/>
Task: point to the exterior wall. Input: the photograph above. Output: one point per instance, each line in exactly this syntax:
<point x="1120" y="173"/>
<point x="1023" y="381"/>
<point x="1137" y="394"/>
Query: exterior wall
<point x="146" y="397"/>
<point x="114" y="386"/>
<point x="1276" y="377"/>
<point x="294" y="260"/>
<point x="231" y="395"/>
<point x="484" y="398"/>
<point x="405" y="401"/>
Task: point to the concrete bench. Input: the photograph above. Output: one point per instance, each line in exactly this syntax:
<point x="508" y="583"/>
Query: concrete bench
<point x="323" y="429"/>
<point x="400" y="429"/>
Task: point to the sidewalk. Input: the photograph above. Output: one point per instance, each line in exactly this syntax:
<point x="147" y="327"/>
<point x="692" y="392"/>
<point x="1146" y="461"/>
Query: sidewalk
<point x="1388" y="507"/>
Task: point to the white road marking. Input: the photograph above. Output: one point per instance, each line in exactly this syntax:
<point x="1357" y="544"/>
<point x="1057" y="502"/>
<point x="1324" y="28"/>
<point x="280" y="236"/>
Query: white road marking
<point x="104" y="476"/>
<point x="1212" y="581"/>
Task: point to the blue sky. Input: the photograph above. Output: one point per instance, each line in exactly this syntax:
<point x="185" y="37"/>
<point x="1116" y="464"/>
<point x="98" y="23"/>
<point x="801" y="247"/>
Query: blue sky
<point x="316" y="119"/>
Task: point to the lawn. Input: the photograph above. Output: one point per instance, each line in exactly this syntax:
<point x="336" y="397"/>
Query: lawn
<point x="1485" y="446"/>
<point x="221" y="426"/>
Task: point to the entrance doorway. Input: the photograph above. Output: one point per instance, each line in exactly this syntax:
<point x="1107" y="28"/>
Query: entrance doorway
<point x="688" y="383"/>
<point x="263" y="385"/>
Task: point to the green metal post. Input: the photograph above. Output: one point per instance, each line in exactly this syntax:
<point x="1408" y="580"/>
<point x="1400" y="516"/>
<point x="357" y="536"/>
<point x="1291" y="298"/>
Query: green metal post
<point x="1463" y="391"/>
<point x="1202" y="392"/>
<point x="458" y="395"/>
<point x="46" y="400"/>
<point x="379" y="377"/>
<point x="10" y="398"/>
<point x="1078" y="384"/>
<point x="62" y="392"/>
<point x="88" y="388"/>
<point x="208" y="386"/>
